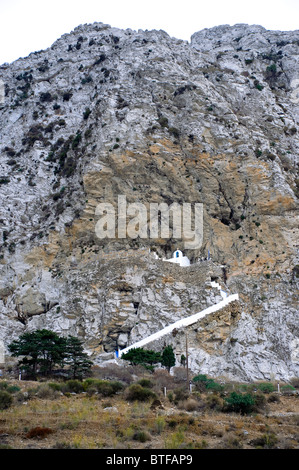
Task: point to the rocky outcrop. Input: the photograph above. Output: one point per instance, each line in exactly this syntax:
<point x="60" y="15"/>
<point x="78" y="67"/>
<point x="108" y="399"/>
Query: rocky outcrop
<point x="107" y="112"/>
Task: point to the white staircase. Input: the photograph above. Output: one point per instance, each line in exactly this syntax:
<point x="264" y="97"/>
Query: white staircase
<point x="185" y="321"/>
<point x="222" y="292"/>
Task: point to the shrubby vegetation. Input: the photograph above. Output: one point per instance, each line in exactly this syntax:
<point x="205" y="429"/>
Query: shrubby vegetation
<point x="135" y="402"/>
<point x="129" y="405"/>
<point x="203" y="383"/>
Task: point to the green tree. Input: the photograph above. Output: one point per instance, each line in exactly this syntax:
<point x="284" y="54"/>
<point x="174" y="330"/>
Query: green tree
<point x="76" y="358"/>
<point x="41" y="351"/>
<point x="168" y="357"/>
<point x="145" y="357"/>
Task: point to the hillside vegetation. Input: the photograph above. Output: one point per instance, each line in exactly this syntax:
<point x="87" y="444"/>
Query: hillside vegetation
<point x="130" y="408"/>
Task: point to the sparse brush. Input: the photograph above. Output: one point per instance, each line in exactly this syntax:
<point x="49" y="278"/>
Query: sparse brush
<point x="231" y="441"/>
<point x="162" y="379"/>
<point x="82" y="421"/>
<point x="214" y="402"/>
<point x="160" y="424"/>
<point x="180" y="394"/>
<point x="179" y="374"/>
<point x="141" y="436"/>
<point x="5" y="400"/>
<point x="46" y="391"/>
<point x="172" y="423"/>
<point x="273" y="398"/>
<point x="139" y="393"/>
<point x="189" y="405"/>
<point x="260" y="402"/>
<point x="175" y="440"/>
<point x="104" y="388"/>
<point x="114" y="372"/>
<point x="295" y="381"/>
<point x="266" y="441"/>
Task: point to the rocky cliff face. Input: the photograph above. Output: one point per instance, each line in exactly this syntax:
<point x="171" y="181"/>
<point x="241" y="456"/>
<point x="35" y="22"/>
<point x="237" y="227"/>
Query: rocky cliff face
<point x="107" y="112"/>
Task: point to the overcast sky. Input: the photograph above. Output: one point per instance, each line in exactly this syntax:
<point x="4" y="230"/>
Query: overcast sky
<point x="30" y="25"/>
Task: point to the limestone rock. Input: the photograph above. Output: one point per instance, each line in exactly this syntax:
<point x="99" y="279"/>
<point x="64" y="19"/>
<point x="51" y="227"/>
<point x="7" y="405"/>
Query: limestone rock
<point x="107" y="112"/>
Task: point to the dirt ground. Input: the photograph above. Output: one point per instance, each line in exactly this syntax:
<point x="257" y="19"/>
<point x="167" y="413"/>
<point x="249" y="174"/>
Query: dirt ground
<point x="80" y="421"/>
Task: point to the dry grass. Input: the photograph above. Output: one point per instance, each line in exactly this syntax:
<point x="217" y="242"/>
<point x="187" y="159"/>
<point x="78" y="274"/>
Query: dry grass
<point x="81" y="421"/>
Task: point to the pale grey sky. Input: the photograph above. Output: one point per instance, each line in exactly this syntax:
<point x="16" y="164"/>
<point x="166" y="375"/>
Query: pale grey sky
<point x="30" y="25"/>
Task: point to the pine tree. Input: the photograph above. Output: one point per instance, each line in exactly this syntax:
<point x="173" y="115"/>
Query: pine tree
<point x="76" y="358"/>
<point x="168" y="358"/>
<point x="142" y="356"/>
<point x="42" y="350"/>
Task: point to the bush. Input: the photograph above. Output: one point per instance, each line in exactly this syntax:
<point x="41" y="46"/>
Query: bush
<point x="175" y="132"/>
<point x="4" y="180"/>
<point x="202" y="383"/>
<point x="139" y="393"/>
<point x="214" y="386"/>
<point x="55" y="386"/>
<point x="114" y="372"/>
<point x="163" y="379"/>
<point x="287" y="389"/>
<point x="214" y="402"/>
<point x="45" y="97"/>
<point x="3" y="385"/>
<point x="273" y="398"/>
<point x="295" y="380"/>
<point x="260" y="401"/>
<point x="13" y="389"/>
<point x="146" y="383"/>
<point x="46" y="391"/>
<point x="180" y="394"/>
<point x="231" y="441"/>
<point x="86" y="113"/>
<point x="179" y="375"/>
<point x="189" y="405"/>
<point x="5" y="400"/>
<point x="266" y="387"/>
<point x="141" y="436"/>
<point x="110" y="388"/>
<point x="74" y="386"/>
<point x="104" y="388"/>
<point x="266" y="441"/>
<point x="257" y="85"/>
<point x="240" y="403"/>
